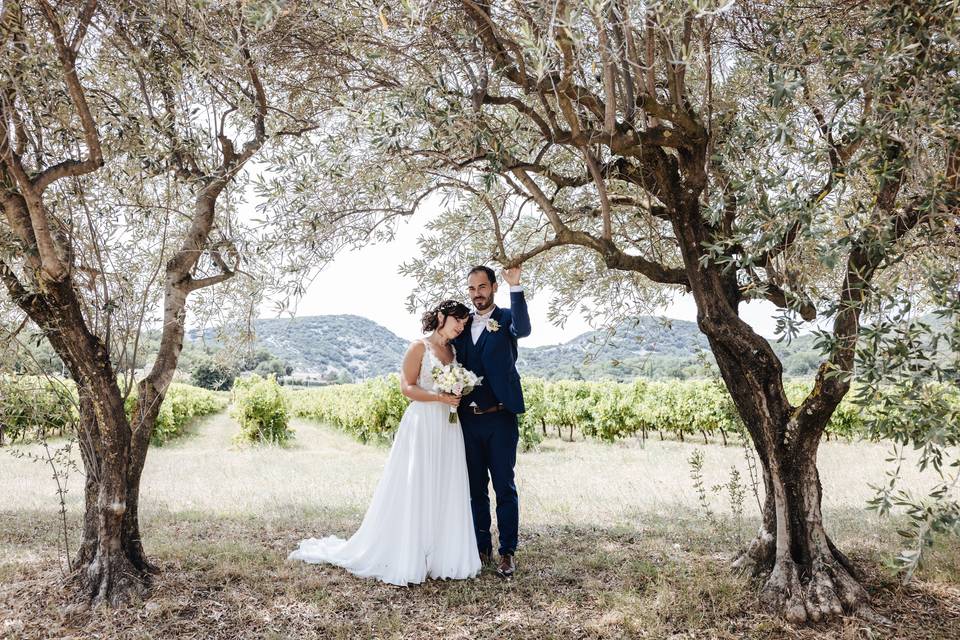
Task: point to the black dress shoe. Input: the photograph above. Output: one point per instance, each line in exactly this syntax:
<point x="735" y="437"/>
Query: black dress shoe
<point x="507" y="567"/>
<point x="485" y="558"/>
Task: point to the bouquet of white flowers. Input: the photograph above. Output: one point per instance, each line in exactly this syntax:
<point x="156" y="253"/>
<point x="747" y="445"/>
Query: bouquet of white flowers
<point x="454" y="378"/>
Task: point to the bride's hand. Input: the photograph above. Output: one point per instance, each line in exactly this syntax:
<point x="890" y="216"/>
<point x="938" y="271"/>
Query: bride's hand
<point x="449" y="398"/>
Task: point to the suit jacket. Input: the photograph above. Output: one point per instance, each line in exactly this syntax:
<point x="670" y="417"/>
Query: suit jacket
<point x="495" y="357"/>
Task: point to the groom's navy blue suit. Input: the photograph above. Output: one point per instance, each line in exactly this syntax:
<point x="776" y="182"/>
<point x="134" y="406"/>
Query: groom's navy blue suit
<point x="490" y="439"/>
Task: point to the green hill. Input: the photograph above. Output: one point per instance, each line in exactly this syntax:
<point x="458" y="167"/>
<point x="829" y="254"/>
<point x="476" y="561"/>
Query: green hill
<point x="329" y="348"/>
<point x="341" y="348"/>
<point x="647" y="346"/>
<point x="349" y="347"/>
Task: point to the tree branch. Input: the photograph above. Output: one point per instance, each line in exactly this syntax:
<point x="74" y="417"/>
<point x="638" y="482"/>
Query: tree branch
<point x="521" y="107"/>
<point x="613" y="257"/>
<point x="68" y="56"/>
<point x="622" y="32"/>
<point x="83" y="22"/>
<point x="650" y="42"/>
<point x="617" y="259"/>
<point x="18" y="293"/>
<point x="778" y="296"/>
<point x="838" y="153"/>
<point x="601" y="185"/>
<point x="609" y="84"/>
<point x="193" y="285"/>
<point x="865" y="259"/>
<point x="540" y="197"/>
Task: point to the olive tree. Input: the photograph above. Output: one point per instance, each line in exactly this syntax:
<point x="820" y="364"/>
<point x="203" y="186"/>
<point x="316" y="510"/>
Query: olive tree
<point x="622" y="151"/>
<point x="125" y="128"/>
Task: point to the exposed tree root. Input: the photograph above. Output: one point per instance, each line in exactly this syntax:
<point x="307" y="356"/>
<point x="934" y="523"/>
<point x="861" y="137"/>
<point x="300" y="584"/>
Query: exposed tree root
<point x="827" y="592"/>
<point x="757" y="558"/>
<point x="782" y="592"/>
<point x="112" y="580"/>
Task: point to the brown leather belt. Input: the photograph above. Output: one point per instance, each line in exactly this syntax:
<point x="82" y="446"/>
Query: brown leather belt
<point x="478" y="411"/>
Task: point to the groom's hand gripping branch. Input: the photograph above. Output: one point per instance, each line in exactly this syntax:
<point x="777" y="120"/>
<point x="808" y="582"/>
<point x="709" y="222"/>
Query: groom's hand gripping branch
<point x="520" y="327"/>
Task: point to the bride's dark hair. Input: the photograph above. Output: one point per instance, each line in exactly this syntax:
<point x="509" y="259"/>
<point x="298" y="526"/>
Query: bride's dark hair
<point x="429" y="322"/>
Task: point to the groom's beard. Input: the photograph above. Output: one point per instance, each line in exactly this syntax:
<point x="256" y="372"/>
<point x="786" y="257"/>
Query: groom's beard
<point x="485" y="302"/>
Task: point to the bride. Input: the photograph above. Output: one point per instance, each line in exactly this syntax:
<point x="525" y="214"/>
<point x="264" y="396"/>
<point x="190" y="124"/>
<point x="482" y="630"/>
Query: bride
<point x="419" y="523"/>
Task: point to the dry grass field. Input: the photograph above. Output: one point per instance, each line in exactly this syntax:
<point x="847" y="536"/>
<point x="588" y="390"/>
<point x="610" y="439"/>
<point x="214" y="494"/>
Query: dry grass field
<point x="614" y="544"/>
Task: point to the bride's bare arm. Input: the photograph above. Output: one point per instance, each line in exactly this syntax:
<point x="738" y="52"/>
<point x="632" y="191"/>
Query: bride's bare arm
<point x="409" y="374"/>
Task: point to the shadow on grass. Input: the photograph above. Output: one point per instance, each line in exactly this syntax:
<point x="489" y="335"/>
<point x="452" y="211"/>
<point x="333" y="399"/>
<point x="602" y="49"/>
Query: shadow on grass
<point x="228" y="578"/>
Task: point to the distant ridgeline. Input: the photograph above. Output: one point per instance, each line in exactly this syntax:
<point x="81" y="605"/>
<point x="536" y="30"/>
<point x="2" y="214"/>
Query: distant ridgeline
<point x="327" y="349"/>
<point x="343" y="348"/>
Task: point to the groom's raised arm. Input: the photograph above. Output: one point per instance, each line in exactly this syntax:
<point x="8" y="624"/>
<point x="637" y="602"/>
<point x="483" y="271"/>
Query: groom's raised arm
<point x="520" y="327"/>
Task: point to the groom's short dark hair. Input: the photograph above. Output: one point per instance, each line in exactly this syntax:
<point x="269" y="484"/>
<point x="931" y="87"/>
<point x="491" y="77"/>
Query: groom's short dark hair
<point x="491" y="276"/>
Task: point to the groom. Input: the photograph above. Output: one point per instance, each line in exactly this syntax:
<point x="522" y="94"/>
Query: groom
<point x="488" y="347"/>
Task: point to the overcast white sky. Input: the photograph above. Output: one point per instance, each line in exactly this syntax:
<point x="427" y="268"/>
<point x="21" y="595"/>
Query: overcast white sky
<point x="365" y="282"/>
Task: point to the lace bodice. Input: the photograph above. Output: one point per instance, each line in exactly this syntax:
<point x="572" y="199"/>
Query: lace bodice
<point x="430" y="360"/>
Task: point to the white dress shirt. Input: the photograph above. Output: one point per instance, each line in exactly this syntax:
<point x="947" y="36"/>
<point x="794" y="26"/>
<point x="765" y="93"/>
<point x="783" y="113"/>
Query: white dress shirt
<point x="479" y="322"/>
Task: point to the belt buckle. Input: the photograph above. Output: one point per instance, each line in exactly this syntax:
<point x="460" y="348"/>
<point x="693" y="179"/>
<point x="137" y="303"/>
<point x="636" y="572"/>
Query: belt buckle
<point x="491" y="409"/>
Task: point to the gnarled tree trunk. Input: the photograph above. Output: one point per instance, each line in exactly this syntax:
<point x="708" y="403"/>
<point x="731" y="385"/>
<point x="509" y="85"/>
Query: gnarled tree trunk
<point x="130" y="539"/>
<point x="106" y="569"/>
<point x="111" y="563"/>
<point x="807" y="577"/>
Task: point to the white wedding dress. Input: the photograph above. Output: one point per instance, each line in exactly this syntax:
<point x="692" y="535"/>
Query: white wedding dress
<point x="419" y="523"/>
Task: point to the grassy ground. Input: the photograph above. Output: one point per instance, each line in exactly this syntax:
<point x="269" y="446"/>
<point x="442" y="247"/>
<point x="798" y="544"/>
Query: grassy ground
<point x="614" y="545"/>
